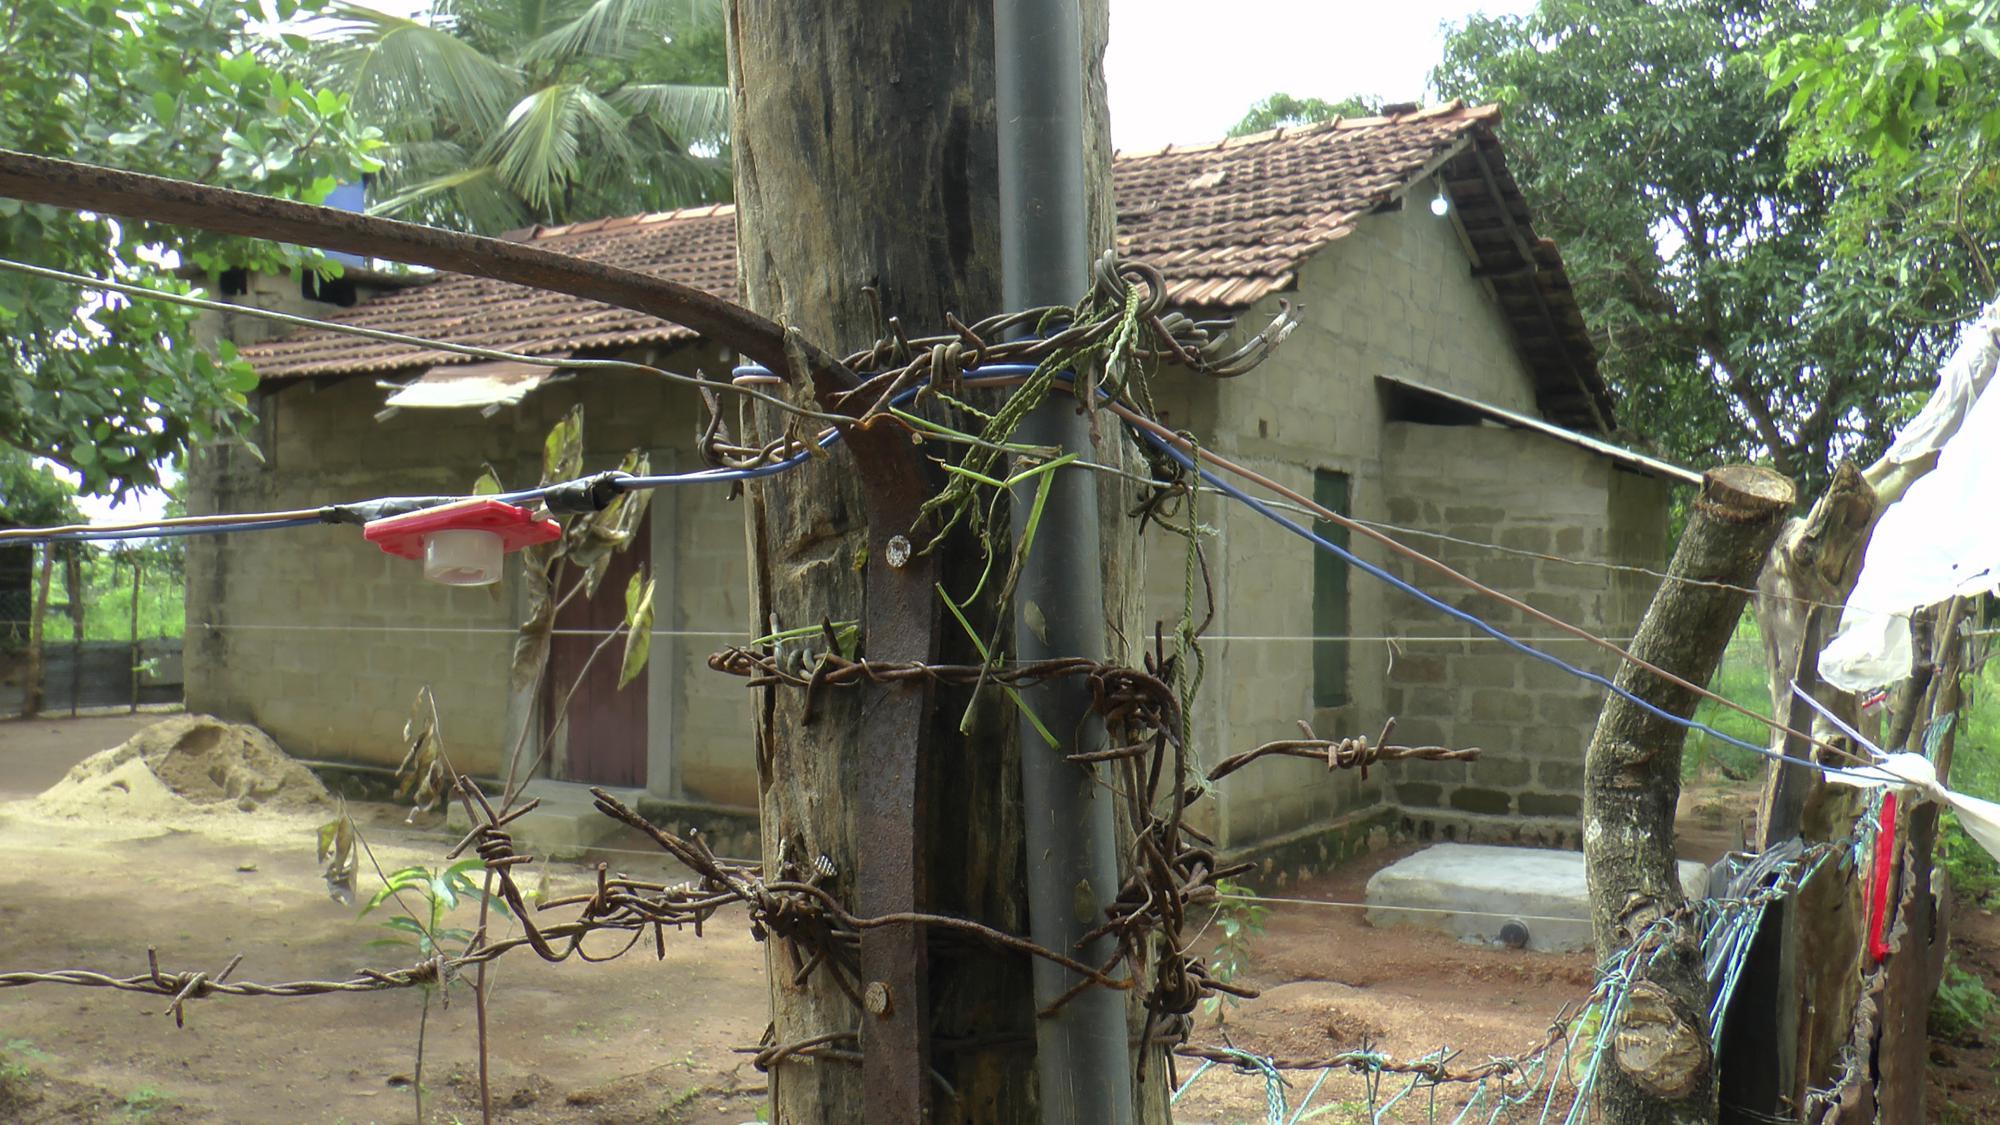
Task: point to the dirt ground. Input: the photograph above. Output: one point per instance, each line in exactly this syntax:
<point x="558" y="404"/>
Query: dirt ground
<point x="35" y="753"/>
<point x="634" y="1040"/>
<point x="1965" y="1068"/>
<point x="1332" y="983"/>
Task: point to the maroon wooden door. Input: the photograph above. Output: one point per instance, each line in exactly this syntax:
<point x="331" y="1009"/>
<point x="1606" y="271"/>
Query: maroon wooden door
<point x="607" y="726"/>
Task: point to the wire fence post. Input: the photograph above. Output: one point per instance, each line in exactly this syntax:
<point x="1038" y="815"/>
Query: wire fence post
<point x="1665" y="1065"/>
<point x="137" y="571"/>
<point x="73" y="579"/>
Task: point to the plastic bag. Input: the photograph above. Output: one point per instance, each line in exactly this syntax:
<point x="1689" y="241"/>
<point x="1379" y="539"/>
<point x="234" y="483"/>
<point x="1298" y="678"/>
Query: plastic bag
<point x="1939" y="540"/>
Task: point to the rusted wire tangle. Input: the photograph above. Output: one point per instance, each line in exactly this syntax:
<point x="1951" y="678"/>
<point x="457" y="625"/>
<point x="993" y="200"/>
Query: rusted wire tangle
<point x="1343" y="753"/>
<point x="896" y="362"/>
<point x="1116" y="690"/>
<point x="794" y="908"/>
<point x="1432" y="1070"/>
<point x="1174" y="868"/>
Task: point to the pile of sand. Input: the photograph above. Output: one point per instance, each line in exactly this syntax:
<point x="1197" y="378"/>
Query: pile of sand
<point x="186" y="764"/>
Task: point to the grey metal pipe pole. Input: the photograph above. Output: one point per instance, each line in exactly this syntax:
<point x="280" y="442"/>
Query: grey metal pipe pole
<point x="1083" y="1055"/>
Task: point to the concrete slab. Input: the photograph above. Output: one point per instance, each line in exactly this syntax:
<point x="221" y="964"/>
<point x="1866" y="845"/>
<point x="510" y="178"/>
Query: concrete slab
<point x="1474" y="890"/>
<point x="564" y="825"/>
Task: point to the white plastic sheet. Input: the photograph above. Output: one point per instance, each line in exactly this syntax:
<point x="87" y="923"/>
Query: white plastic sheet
<point x="1964" y="376"/>
<point x="1940" y="540"/>
<point x="1914" y="772"/>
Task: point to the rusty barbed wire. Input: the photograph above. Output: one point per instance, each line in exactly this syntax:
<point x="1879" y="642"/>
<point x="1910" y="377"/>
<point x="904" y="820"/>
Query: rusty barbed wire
<point x="1343" y="753"/>
<point x="1117" y="691"/>
<point x="1174" y="868"/>
<point x="1434" y="1069"/>
<point x="182" y="987"/>
<point x="1122" y="291"/>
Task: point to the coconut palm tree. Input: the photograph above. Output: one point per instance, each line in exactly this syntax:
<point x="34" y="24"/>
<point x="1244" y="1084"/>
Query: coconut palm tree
<point x="500" y="113"/>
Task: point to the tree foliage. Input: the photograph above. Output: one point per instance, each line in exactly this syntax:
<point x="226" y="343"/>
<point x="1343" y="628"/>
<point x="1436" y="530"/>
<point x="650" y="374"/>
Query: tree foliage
<point x="1283" y="109"/>
<point x="1902" y="99"/>
<point x="107" y="386"/>
<point x="31" y="495"/>
<point x="501" y="113"/>
<point x="1734" y="318"/>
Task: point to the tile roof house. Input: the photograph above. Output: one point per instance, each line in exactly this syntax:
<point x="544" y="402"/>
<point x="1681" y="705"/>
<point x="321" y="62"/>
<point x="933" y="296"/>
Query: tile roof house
<point x="1442" y="381"/>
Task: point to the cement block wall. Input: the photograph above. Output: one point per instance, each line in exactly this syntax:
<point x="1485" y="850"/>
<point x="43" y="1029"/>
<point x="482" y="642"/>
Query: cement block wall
<point x="1395" y="297"/>
<point x="323" y="640"/>
<point x="1453" y="687"/>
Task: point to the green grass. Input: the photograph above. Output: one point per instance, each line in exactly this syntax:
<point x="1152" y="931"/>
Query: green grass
<point x="1975" y="763"/>
<point x="145" y="1101"/>
<point x="107" y="601"/>
<point x="1741" y="678"/>
<point x="1963" y="1007"/>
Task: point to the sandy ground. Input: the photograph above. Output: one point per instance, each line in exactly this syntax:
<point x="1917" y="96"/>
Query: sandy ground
<point x="631" y="1041"/>
<point x="35" y="753"/>
<point x="635" y="1040"/>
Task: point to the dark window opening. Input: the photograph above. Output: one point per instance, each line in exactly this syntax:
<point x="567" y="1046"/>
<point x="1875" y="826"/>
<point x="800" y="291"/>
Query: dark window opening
<point x="332" y="291"/>
<point x="1403" y="404"/>
<point x="1329" y="609"/>
<point x="234" y="282"/>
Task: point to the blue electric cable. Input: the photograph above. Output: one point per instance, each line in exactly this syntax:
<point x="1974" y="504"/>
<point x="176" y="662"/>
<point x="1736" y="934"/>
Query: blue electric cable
<point x="1009" y="370"/>
<point x="1450" y="610"/>
<point x="519" y="496"/>
<point x="708" y="476"/>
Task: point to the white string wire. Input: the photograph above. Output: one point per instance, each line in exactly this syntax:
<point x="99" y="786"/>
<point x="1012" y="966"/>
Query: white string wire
<point x="739" y="635"/>
<point x="1341" y="904"/>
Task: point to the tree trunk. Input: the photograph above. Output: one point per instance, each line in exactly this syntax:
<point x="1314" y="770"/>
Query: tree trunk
<point x="865" y="142"/>
<point x="33" y="691"/>
<point x="73" y="578"/>
<point x="1664" y="1068"/>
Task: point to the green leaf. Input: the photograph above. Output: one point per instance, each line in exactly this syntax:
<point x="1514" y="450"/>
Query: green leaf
<point x="638" y="626"/>
<point x="443" y="893"/>
<point x="241" y="377"/>
<point x="238" y="68"/>
<point x="464" y="868"/>
<point x="562" y="450"/>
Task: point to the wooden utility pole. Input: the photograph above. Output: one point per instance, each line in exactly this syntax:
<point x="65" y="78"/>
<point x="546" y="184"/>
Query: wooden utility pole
<point x="867" y="182"/>
<point x="1664" y="1068"/>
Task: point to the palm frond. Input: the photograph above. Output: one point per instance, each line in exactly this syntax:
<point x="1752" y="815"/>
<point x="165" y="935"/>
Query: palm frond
<point x="536" y="151"/>
<point x="603" y="130"/>
<point x="690" y="115"/>
<point x="473" y="197"/>
<point x="400" y="69"/>
<point x="615" y="29"/>
<point x="417" y="158"/>
<point x="663" y="178"/>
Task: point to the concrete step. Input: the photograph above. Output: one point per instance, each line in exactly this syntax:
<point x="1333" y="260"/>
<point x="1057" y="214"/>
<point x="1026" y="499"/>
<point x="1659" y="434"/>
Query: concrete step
<point x="1481" y="893"/>
<point x="566" y="823"/>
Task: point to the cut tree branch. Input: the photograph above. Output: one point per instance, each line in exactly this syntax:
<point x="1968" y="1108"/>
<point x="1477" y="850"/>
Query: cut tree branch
<point x="86" y="187"/>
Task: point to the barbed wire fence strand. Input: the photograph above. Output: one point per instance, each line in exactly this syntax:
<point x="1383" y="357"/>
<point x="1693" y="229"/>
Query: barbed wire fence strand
<point x="949" y="357"/>
<point x="791" y="906"/>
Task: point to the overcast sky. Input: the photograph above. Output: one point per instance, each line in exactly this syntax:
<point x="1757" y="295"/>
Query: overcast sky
<point x="1184" y="71"/>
